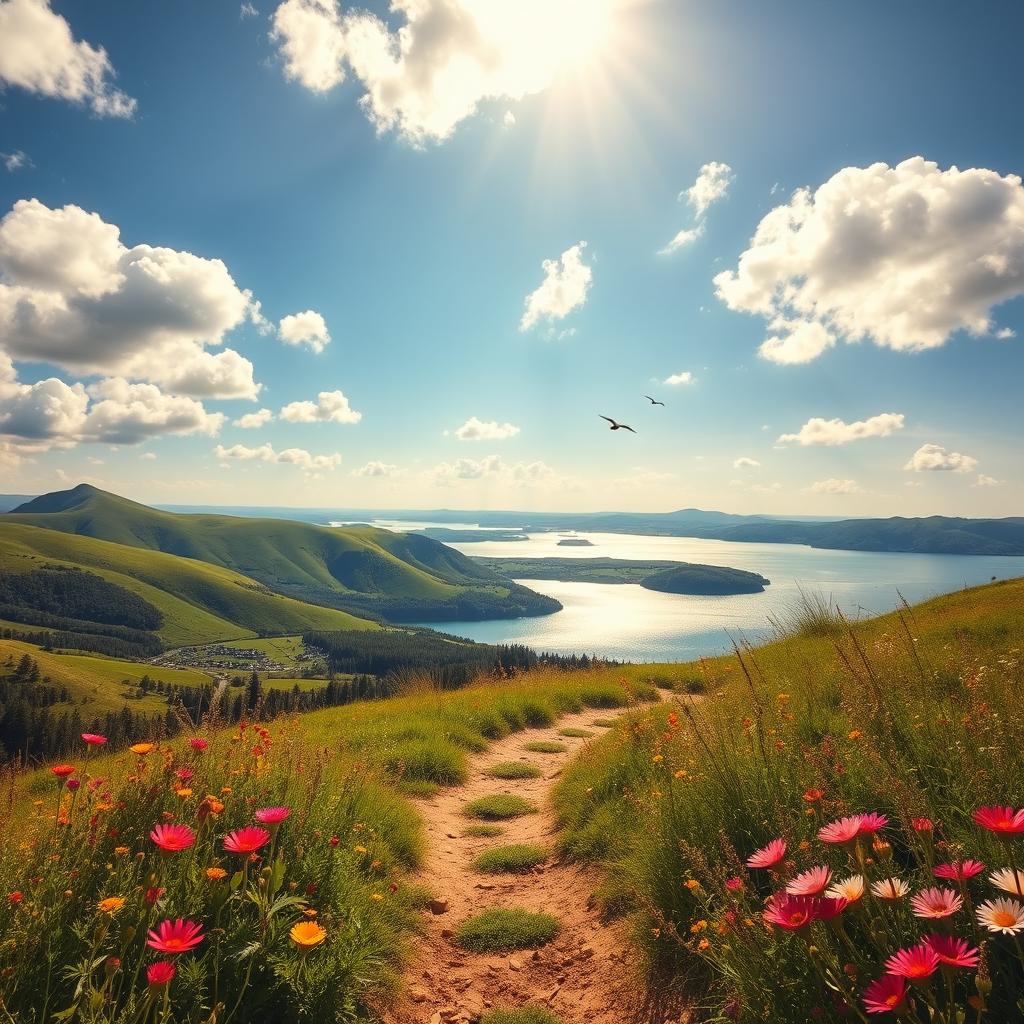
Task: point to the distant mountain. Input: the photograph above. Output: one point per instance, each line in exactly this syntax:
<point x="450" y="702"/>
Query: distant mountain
<point x="361" y="569"/>
<point x="9" y="501"/>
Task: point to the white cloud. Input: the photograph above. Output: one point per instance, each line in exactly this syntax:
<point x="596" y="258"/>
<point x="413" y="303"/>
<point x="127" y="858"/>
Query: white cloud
<point x="935" y="458"/>
<point x="47" y="410"/>
<point x="444" y="60"/>
<point x="509" y="120"/>
<point x="73" y="295"/>
<point x="745" y="462"/>
<point x="493" y="467"/>
<point x="330" y="407"/>
<point x="681" y="239"/>
<point x="148" y="456"/>
<point x="1005" y="333"/>
<point x="38" y="52"/>
<point x="858" y="259"/>
<point x="375" y="468"/>
<point x="987" y="481"/>
<point x="564" y="288"/>
<point x="684" y="377"/>
<point x="712" y="184"/>
<point x="831" y="432"/>
<point x="835" y="486"/>
<point x="478" y="430"/>
<point x="15" y="161"/>
<point x="266" y="453"/>
<point x="248" y="11"/>
<point x="308" y="328"/>
<point x="253" y="420"/>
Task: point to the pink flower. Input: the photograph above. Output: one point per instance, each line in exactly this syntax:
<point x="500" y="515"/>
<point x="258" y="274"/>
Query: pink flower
<point x="958" y="870"/>
<point x="936" y="903"/>
<point x="1003" y="821"/>
<point x="94" y="739"/>
<point x="172" y="838"/>
<point x="246" y="840"/>
<point x="768" y="856"/>
<point x="951" y="951"/>
<point x="175" y="936"/>
<point x="830" y="906"/>
<point x="184" y="774"/>
<point x="160" y="974"/>
<point x="272" y="815"/>
<point x="885" y="995"/>
<point x="916" y="963"/>
<point x="845" y="830"/>
<point x="872" y="823"/>
<point x="198" y="745"/>
<point x="73" y="784"/>
<point x="791" y="913"/>
<point x="811" y="882"/>
<point x="734" y="884"/>
<point x="922" y="824"/>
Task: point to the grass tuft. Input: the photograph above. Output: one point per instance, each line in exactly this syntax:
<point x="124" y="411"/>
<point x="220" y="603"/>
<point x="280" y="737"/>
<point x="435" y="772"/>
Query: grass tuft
<point x="483" y="831"/>
<point x="501" y="930"/>
<point x="578" y="734"/>
<point x="420" y="788"/>
<point x="516" y="859"/>
<point x="523" y="1015"/>
<point x="498" y="807"/>
<point x="545" y="747"/>
<point x="603" y="723"/>
<point x="514" y="770"/>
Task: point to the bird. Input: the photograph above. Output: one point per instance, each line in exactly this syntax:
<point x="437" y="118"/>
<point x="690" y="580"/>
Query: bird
<point x="653" y="401"/>
<point x="617" y="426"/>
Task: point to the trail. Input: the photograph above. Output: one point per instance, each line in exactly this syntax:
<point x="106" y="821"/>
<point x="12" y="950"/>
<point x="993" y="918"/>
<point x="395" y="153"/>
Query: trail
<point x="584" y="975"/>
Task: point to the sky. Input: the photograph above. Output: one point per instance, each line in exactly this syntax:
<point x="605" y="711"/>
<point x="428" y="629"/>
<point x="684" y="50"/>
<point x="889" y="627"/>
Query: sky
<point x="318" y="254"/>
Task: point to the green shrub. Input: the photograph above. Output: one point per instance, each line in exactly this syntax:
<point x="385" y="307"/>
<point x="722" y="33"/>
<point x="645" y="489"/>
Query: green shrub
<point x="501" y="931"/>
<point x="418" y="788"/>
<point x="517" y="859"/>
<point x="514" y="770"/>
<point x="545" y="747"/>
<point x="483" y="831"/>
<point x="498" y="807"/>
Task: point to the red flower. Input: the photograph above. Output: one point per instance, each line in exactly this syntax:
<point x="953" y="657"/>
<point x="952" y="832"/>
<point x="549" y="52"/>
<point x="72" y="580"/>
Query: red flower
<point x="951" y="951"/>
<point x="872" y="823"/>
<point x="812" y="796"/>
<point x="160" y="974"/>
<point x="886" y="994"/>
<point x="768" y="856"/>
<point x="198" y="744"/>
<point x="72" y="784"/>
<point x="62" y="771"/>
<point x="1001" y="820"/>
<point x="272" y="815"/>
<point x="15" y="897"/>
<point x="922" y="824"/>
<point x="153" y="894"/>
<point x="246" y="840"/>
<point x="334" y="840"/>
<point x="184" y="774"/>
<point x="845" y="830"/>
<point x="958" y="870"/>
<point x="734" y="884"/>
<point x="94" y="739"/>
<point x="172" y="838"/>
<point x="793" y="913"/>
<point x="918" y="962"/>
<point x="175" y="936"/>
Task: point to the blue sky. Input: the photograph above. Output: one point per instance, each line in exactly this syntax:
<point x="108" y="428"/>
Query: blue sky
<point x="418" y="234"/>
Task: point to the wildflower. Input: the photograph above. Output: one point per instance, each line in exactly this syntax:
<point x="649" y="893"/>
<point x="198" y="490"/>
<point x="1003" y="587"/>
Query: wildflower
<point x="958" y="870"/>
<point x="272" y="815"/>
<point x="160" y="974"/>
<point x="886" y="995"/>
<point x="855" y="734"/>
<point x="198" y="745"/>
<point x="62" y="771"/>
<point x="142" y="749"/>
<point x="951" y="951"/>
<point x="915" y="964"/>
<point x="175" y="936"/>
<point x="1004" y="821"/>
<point x="1001" y="915"/>
<point x="246" y="840"/>
<point x="377" y="896"/>
<point x="811" y="882"/>
<point x="334" y="840"/>
<point x="183" y="791"/>
<point x="936" y="903"/>
<point x="768" y="856"/>
<point x="122" y="851"/>
<point x="922" y="824"/>
<point x="850" y="889"/>
<point x="184" y="774"/>
<point x="657" y="759"/>
<point x="153" y="894"/>
<point x="1008" y="880"/>
<point x="14" y="898"/>
<point x="703" y="944"/>
<point x="172" y="838"/>
<point x="734" y="884"/>
<point x="812" y="796"/>
<point x="844" y="830"/>
<point x="692" y="884"/>
<point x="73" y="784"/>
<point x="872" y="823"/>
<point x="94" y="739"/>
<point x="307" y="934"/>
<point x="111" y="905"/>
<point x="216" y="874"/>
<point x="791" y="913"/>
<point x="890" y="889"/>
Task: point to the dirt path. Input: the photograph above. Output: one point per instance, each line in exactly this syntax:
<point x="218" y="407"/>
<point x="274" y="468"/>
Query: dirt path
<point x="584" y="975"/>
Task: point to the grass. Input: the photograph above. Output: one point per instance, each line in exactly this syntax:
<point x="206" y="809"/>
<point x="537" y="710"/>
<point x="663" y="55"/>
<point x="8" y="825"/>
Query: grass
<point x="604" y="723"/>
<point x="418" y="788"/>
<point x="523" y="1015"/>
<point x="499" y="807"/>
<point x="514" y="770"/>
<point x="516" y="859"/>
<point x="574" y="733"/>
<point x="483" y="831"/>
<point x="545" y="747"/>
<point x="502" y="931"/>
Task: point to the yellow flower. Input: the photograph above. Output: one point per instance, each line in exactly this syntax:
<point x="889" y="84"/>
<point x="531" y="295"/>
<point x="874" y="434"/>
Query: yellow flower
<point x="111" y="905"/>
<point x="360" y="849"/>
<point x="309" y="912"/>
<point x="122" y="851"/>
<point x="184" y="792"/>
<point x="225" y="790"/>
<point x="680" y="774"/>
<point x="142" y="749"/>
<point x="855" y="734"/>
<point x="216" y="874"/>
<point x="377" y="896"/>
<point x="698" y="926"/>
<point x="657" y="759"/>
<point x="307" y="934"/>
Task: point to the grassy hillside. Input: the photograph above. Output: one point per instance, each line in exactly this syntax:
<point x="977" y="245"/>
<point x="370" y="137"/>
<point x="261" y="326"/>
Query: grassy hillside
<point x="361" y="569"/>
<point x="199" y="603"/>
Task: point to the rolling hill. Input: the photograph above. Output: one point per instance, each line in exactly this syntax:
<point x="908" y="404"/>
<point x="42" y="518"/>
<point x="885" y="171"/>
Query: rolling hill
<point x="361" y="569"/>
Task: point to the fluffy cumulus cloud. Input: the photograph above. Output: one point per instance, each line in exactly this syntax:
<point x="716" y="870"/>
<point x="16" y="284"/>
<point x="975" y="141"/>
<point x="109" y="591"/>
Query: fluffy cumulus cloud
<point x="38" y="52"/>
<point x="493" y="467"/>
<point x="564" y="288"/>
<point x="440" y="59"/>
<point x="290" y="456"/>
<point x="254" y="420"/>
<point x="987" y="481"/>
<point x="935" y="458"/>
<point x="479" y="430"/>
<point x="72" y="294"/>
<point x="677" y="379"/>
<point x="377" y="469"/>
<point x="831" y="432"/>
<point x="746" y="462"/>
<point x="308" y="328"/>
<point x="833" y="485"/>
<point x="712" y="184"/>
<point x="859" y="258"/>
<point x="329" y="407"/>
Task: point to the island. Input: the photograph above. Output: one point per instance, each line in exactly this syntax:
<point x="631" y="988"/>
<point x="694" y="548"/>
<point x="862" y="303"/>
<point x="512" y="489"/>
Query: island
<point x="575" y="542"/>
<point x="666" y="577"/>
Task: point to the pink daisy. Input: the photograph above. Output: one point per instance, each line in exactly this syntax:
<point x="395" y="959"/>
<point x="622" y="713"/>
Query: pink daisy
<point x="872" y="823"/>
<point x="958" y="870"/>
<point x="936" y="902"/>
<point x="272" y="815"/>
<point x="791" y="913"/>
<point x="844" y="830"/>
<point x="886" y="995"/>
<point x="1004" y="821"/>
<point x="952" y="952"/>
<point x="768" y="856"/>
<point x="811" y="882"/>
<point x="915" y="964"/>
<point x="246" y="840"/>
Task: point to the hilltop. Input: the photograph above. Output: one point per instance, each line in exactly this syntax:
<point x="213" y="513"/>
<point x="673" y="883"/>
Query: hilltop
<point x="366" y="571"/>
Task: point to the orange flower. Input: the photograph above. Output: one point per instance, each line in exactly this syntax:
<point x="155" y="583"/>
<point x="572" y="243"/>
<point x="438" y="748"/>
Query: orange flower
<point x="111" y="905"/>
<point x="122" y="851"/>
<point x="307" y="934"/>
<point x="142" y="749"/>
<point x="216" y="874"/>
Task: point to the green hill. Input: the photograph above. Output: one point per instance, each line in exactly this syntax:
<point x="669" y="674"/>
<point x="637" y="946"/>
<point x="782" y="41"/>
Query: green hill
<point x="364" y="570"/>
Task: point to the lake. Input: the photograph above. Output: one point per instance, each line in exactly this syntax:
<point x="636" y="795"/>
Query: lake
<point x="626" y="622"/>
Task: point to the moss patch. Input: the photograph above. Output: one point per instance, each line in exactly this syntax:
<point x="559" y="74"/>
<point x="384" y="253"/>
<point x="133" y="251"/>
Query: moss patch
<point x="498" y="807"/>
<point x="500" y="930"/>
<point x="517" y="858"/>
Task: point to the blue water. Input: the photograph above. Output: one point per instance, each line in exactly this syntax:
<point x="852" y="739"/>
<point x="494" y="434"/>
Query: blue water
<point x="626" y="622"/>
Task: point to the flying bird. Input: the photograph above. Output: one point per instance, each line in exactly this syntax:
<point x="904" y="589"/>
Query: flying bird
<point x="617" y="426"/>
<point x="653" y="401"/>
